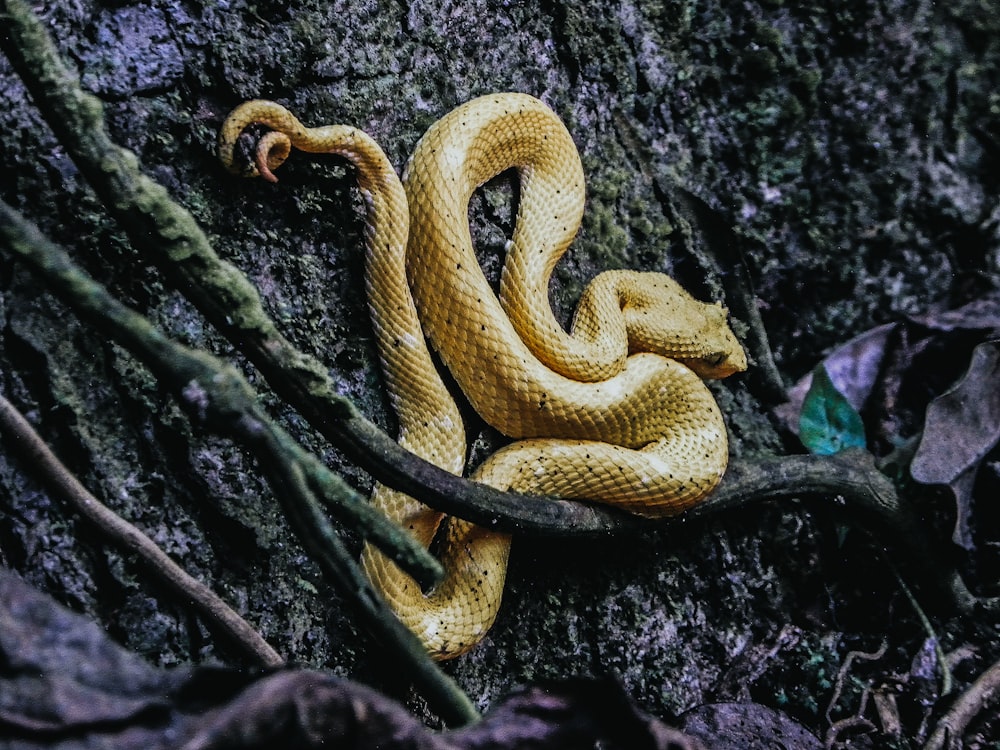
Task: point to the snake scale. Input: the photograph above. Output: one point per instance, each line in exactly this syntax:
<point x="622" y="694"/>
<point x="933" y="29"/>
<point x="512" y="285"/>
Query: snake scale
<point x="612" y="411"/>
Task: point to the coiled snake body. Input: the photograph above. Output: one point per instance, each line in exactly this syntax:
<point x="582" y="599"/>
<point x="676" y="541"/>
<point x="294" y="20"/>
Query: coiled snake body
<point x="613" y="411"/>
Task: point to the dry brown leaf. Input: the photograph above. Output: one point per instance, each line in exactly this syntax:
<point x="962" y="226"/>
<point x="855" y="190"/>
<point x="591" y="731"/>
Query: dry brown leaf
<point x="962" y="424"/>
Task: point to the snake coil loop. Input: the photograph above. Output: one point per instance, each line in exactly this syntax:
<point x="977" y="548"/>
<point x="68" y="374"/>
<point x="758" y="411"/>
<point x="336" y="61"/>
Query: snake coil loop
<point x="612" y="411"/>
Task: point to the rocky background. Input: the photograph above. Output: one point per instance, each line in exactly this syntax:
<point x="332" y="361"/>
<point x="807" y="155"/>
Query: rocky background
<point x="852" y="147"/>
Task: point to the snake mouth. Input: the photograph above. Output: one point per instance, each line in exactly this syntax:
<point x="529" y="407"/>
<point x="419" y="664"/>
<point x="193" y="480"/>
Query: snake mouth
<point x="718" y="365"/>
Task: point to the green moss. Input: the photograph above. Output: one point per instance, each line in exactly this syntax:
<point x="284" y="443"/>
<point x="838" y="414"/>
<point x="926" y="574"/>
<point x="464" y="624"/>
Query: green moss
<point x="760" y="63"/>
<point x="767" y="35"/>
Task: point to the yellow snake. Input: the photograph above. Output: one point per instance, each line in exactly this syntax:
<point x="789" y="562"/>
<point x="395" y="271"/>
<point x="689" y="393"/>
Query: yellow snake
<point x="613" y="411"/>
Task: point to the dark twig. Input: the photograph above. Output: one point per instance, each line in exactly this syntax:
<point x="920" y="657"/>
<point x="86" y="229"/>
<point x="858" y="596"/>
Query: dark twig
<point x="23" y="438"/>
<point x="857" y="720"/>
<point x="847" y="482"/>
<point x="984" y="692"/>
<point x="925" y="623"/>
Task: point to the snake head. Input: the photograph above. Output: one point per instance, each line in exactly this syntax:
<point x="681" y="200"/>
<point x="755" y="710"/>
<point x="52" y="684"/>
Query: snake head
<point x="663" y="318"/>
<point x="721" y="353"/>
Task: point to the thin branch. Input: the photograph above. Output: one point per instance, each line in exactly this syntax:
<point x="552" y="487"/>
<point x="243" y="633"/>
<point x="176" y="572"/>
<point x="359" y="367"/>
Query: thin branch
<point x="925" y="623"/>
<point x="846" y="483"/>
<point x="858" y="718"/>
<point x="23" y="438"/>
<point x="983" y="693"/>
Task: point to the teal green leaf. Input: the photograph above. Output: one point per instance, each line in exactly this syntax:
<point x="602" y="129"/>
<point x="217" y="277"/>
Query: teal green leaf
<point x="828" y="423"/>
